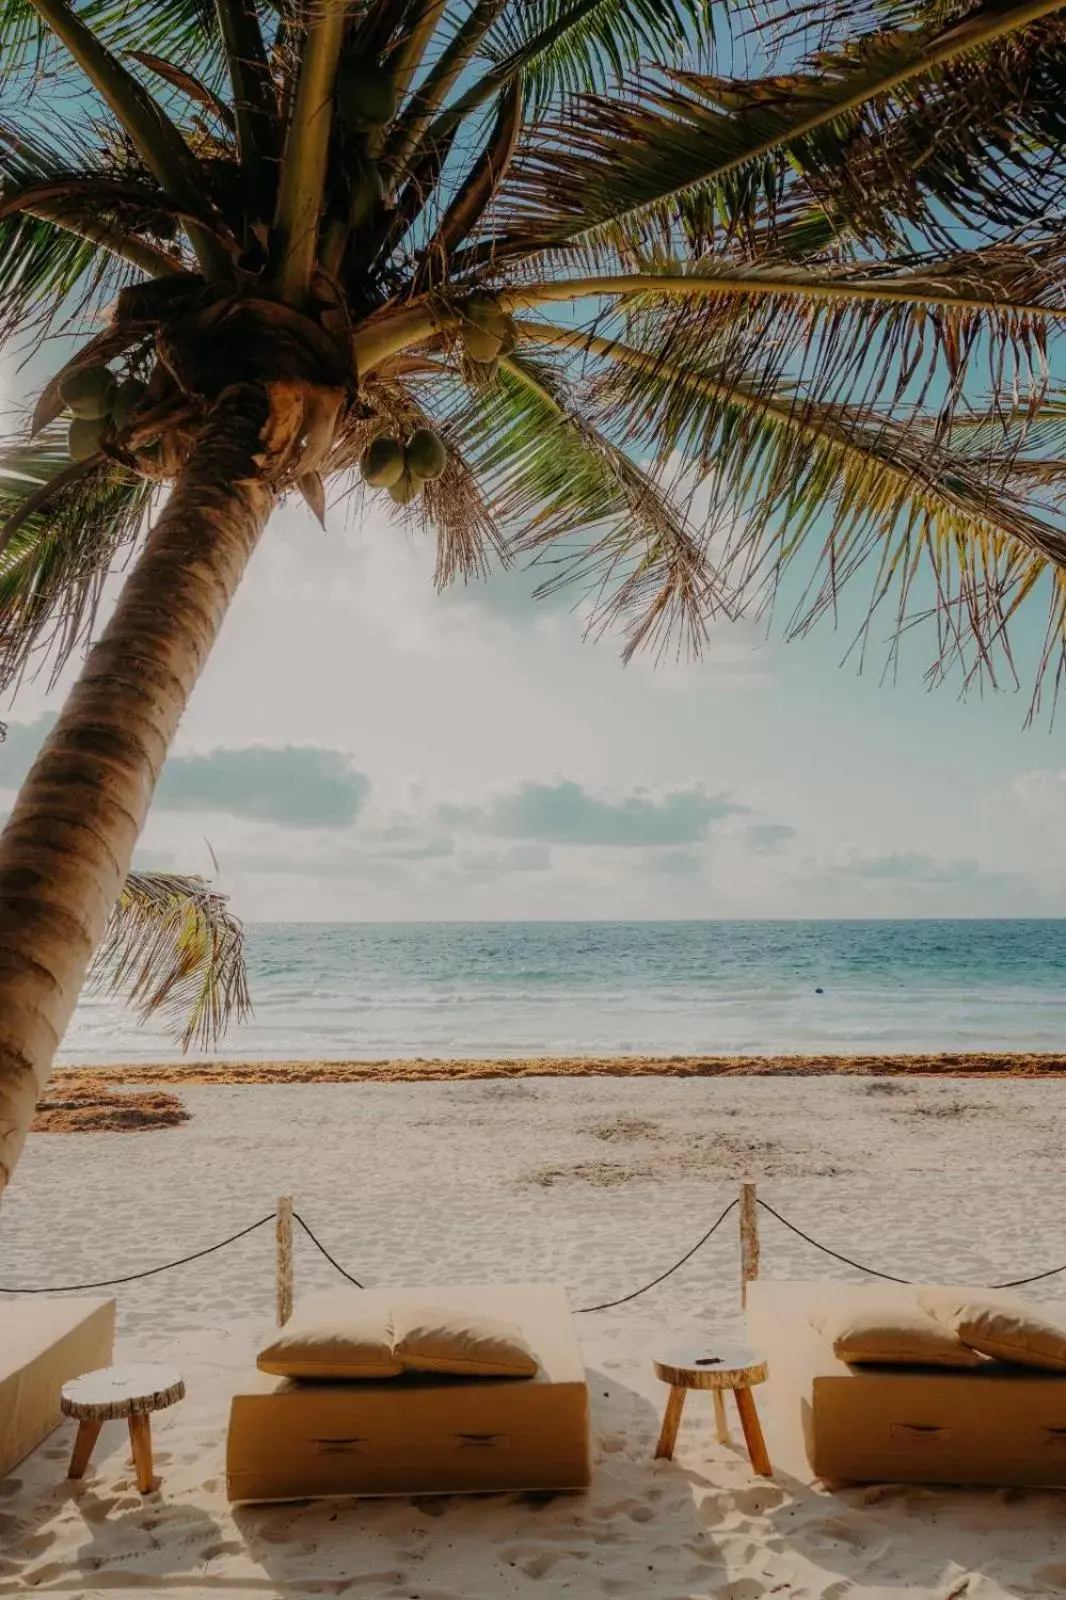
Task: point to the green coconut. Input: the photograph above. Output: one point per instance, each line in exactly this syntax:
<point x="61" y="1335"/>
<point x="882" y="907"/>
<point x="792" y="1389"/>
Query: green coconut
<point x="426" y="454"/>
<point x="83" y="439"/>
<point x="382" y="462"/>
<point x="406" y="489"/>
<point x="366" y="95"/>
<point x="88" y="391"/>
<point x="483" y="327"/>
<point x="128" y="397"/>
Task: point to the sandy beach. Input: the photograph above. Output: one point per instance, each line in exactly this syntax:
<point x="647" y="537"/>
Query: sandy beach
<point x="599" y="1183"/>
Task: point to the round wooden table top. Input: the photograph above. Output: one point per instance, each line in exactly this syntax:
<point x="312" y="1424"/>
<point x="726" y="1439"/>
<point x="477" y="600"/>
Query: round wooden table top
<point x="712" y="1366"/>
<point x="121" y="1392"/>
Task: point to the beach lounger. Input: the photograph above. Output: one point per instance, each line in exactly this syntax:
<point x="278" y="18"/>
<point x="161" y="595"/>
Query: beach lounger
<point x="993" y="1424"/>
<point x="422" y="1433"/>
<point x="44" y="1343"/>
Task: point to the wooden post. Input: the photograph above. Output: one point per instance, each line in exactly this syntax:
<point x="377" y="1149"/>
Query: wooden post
<point x="283" y="1237"/>
<point x="749" y="1239"/>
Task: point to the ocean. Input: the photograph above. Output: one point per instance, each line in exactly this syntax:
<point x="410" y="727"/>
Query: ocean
<point x="366" y="990"/>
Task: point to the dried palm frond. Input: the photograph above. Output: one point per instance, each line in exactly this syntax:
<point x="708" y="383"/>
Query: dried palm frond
<point x="174" y="948"/>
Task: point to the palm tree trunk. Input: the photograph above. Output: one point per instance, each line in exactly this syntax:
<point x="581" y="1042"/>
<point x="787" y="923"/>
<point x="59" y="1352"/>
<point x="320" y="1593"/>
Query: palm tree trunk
<point x="67" y="845"/>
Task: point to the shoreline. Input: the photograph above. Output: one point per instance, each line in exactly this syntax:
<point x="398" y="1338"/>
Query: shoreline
<point x="1002" y="1064"/>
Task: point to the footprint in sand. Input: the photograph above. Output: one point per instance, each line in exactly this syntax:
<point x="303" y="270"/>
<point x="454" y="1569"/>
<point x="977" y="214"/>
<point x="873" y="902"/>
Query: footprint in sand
<point x="225" y="1547"/>
<point x="837" y="1591"/>
<point x="856" y="1534"/>
<point x="95" y="1510"/>
<point x="534" y="1561"/>
<point x="1053" y="1576"/>
<point x="33" y="1577"/>
<point x="755" y="1502"/>
<point x="38" y="1543"/>
<point x="612" y="1444"/>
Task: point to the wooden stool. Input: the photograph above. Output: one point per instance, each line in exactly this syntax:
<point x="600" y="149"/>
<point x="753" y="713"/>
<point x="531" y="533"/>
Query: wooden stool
<point x="130" y="1392"/>
<point x="718" y="1369"/>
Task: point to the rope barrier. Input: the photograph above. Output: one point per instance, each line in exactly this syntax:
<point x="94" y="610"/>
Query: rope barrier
<point x="887" y="1277"/>
<point x="824" y="1248"/>
<point x="296" y="1217"/>
<point x="606" y="1305"/>
<point x="133" y="1277"/>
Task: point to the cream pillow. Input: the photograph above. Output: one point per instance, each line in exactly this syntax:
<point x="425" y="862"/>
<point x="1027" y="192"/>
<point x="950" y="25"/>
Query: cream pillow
<point x="429" y="1338"/>
<point x="331" y="1336"/>
<point x="890" y="1335"/>
<point x="1000" y="1325"/>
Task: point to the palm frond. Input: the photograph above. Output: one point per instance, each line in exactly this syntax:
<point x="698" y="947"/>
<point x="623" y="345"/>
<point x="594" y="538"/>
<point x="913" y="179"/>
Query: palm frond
<point x="186" y="30"/>
<point x="303" y="174"/>
<point x="570" y="47"/>
<point x="174" y="948"/>
<point x="256" y="113"/>
<point x="872" y="329"/>
<point x="158" y="141"/>
<point x="566" y="493"/>
<point x="481" y="183"/>
<point x="53" y="564"/>
<point x="717" y="156"/>
<point x="968" y="141"/>
<point x="846" y="489"/>
<point x="47" y="265"/>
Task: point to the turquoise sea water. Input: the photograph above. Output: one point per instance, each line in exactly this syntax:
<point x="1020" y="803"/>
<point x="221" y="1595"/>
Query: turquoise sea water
<point x="368" y="990"/>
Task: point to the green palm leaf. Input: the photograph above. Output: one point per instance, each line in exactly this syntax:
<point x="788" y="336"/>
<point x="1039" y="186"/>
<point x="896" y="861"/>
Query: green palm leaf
<point x="842" y="488"/>
<point x="53" y="565"/>
<point x="718" y="155"/>
<point x="173" y="948"/>
<point x="572" y="46"/>
<point x="561" y="489"/>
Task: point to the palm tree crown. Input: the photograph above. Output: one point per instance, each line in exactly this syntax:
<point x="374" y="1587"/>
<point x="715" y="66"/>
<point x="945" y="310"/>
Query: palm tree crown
<point x="670" y="296"/>
<point x="764" y="276"/>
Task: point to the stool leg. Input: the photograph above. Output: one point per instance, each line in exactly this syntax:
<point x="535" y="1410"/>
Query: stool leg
<point x="721" y="1426"/>
<point x="88" y="1433"/>
<point x="749" y="1421"/>
<point x="664" y="1450"/>
<point x="141" y="1445"/>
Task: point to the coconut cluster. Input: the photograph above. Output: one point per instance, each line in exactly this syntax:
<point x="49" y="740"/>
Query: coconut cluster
<point x="402" y="469"/>
<point x="487" y="331"/>
<point x="98" y="401"/>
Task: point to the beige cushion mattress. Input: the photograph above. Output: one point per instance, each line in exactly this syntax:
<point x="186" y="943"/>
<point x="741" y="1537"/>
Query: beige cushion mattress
<point x="420" y="1433"/>
<point x="43" y="1343"/>
<point x="992" y="1425"/>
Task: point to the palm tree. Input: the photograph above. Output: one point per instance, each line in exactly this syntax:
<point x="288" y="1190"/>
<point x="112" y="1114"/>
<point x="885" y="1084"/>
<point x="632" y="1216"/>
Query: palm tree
<point x="328" y="232"/>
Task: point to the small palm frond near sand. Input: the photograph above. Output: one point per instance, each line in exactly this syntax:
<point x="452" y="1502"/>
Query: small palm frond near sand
<point x="174" y="947"/>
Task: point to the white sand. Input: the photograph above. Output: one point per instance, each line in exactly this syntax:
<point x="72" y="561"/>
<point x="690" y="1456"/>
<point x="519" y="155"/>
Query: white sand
<point x="599" y="1183"/>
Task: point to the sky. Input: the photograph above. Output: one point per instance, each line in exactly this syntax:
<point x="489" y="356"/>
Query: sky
<point x="362" y="748"/>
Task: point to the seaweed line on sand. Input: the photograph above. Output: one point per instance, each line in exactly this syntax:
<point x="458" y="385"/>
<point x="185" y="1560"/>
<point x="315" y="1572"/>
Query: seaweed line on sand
<point x="942" y="1065"/>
